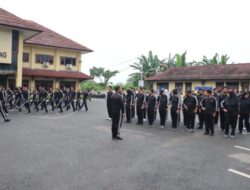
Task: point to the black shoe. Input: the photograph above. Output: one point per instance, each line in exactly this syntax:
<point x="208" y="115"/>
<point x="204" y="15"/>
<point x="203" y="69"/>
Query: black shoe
<point x="212" y="134"/>
<point x="206" y="133"/>
<point x="119" y="138"/>
<point x="199" y="128"/>
<point x="127" y="121"/>
<point x="7" y="120"/>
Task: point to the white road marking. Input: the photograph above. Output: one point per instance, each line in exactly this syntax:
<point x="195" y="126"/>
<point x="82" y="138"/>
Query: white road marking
<point x="52" y="118"/>
<point x="239" y="173"/>
<point x="243" y="148"/>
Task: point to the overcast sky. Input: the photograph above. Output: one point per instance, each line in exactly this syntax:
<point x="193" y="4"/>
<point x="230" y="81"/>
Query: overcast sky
<point x="120" y="30"/>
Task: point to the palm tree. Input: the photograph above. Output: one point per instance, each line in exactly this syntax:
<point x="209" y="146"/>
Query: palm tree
<point x="224" y="59"/>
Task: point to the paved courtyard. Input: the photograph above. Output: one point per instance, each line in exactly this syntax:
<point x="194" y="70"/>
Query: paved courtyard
<point x="74" y="151"/>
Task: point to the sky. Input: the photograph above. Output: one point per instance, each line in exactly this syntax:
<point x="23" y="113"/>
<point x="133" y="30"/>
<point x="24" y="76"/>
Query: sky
<point x="119" y="31"/>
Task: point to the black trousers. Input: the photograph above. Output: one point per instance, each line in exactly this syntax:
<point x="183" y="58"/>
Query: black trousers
<point x="209" y="122"/>
<point x="244" y="118"/>
<point x="73" y="105"/>
<point x="128" y="113"/>
<point x="58" y="105"/>
<point x="222" y="120"/>
<point x="27" y="106"/>
<point x="144" y="113"/>
<point x="174" y="117"/>
<point x="151" y="115"/>
<point x="109" y="110"/>
<point x="44" y="105"/>
<point x="78" y="104"/>
<point x="116" y="123"/>
<point x="2" y="112"/>
<point x="230" y="120"/>
<point x="216" y="118"/>
<point x="163" y="115"/>
<point x="133" y="112"/>
<point x="201" y="115"/>
<point x="139" y="113"/>
<point x="84" y="103"/>
<point x="185" y="117"/>
<point x="190" y="119"/>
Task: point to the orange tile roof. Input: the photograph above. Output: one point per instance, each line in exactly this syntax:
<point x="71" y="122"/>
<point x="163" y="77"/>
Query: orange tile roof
<point x="11" y="20"/>
<point x="53" y="39"/>
<point x="55" y="74"/>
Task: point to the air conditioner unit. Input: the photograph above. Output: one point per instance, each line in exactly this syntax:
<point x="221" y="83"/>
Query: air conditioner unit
<point x="69" y="66"/>
<point x="45" y="64"/>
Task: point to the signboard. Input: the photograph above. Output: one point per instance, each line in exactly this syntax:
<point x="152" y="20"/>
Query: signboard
<point x="141" y="83"/>
<point x="5" y="46"/>
<point x="203" y="88"/>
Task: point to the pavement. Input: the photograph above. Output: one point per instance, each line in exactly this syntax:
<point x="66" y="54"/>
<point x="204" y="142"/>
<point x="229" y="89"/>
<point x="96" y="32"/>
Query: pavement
<point x="74" y="151"/>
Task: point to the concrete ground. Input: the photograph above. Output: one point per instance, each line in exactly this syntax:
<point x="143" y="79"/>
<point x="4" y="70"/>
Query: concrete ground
<point x="74" y="151"/>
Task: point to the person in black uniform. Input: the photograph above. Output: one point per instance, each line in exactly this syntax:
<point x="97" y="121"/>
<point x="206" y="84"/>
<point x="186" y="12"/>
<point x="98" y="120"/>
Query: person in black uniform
<point x="51" y="95"/>
<point x="162" y="101"/>
<point x="244" y="112"/>
<point x="85" y="96"/>
<point x="190" y="104"/>
<point x="109" y="94"/>
<point x="78" y="99"/>
<point x="140" y="105"/>
<point x="72" y="97"/>
<point x="43" y="97"/>
<point x="175" y="102"/>
<point x="216" y="95"/>
<point x="25" y="94"/>
<point x="222" y="97"/>
<point x="10" y="98"/>
<point x="133" y="103"/>
<point x="231" y="110"/>
<point x="36" y="93"/>
<point x="117" y="108"/>
<point x="151" y="107"/>
<point x="201" y="113"/>
<point x="58" y="99"/>
<point x="18" y="98"/>
<point x="2" y="99"/>
<point x="129" y="98"/>
<point x="209" y="106"/>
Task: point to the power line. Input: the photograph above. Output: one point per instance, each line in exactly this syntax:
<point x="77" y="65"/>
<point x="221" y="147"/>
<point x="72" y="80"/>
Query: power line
<point x="121" y="62"/>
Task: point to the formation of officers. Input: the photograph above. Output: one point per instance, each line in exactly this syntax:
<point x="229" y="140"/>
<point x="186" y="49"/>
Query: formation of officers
<point x="41" y="99"/>
<point x="231" y="108"/>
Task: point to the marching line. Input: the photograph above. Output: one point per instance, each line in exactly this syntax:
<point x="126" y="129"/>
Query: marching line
<point x="239" y="173"/>
<point x="243" y="148"/>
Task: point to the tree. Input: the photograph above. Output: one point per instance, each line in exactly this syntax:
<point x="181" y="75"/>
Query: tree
<point x="107" y="75"/>
<point x="224" y="59"/>
<point x="167" y="63"/>
<point x="216" y="60"/>
<point x="103" y="75"/>
<point x="181" y="60"/>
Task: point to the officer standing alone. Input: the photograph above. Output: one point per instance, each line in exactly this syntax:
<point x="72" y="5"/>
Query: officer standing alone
<point x="117" y="110"/>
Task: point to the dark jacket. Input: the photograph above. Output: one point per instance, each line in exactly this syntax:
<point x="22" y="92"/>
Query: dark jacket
<point x="231" y="105"/>
<point x="244" y="104"/>
<point x="116" y="102"/>
<point x="209" y="104"/>
<point x="162" y="101"/>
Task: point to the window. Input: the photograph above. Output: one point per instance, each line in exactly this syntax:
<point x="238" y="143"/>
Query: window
<point x="179" y="86"/>
<point x="68" y="61"/>
<point x="26" y="57"/>
<point x="188" y="86"/>
<point x="233" y="85"/>
<point x="44" y="58"/>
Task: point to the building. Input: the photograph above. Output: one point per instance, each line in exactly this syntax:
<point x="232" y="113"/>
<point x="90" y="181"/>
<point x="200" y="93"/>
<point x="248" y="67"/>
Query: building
<point x="33" y="55"/>
<point x="236" y="76"/>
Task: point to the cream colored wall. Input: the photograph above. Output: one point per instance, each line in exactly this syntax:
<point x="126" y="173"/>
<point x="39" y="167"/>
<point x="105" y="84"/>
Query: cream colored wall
<point x="56" y="52"/>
